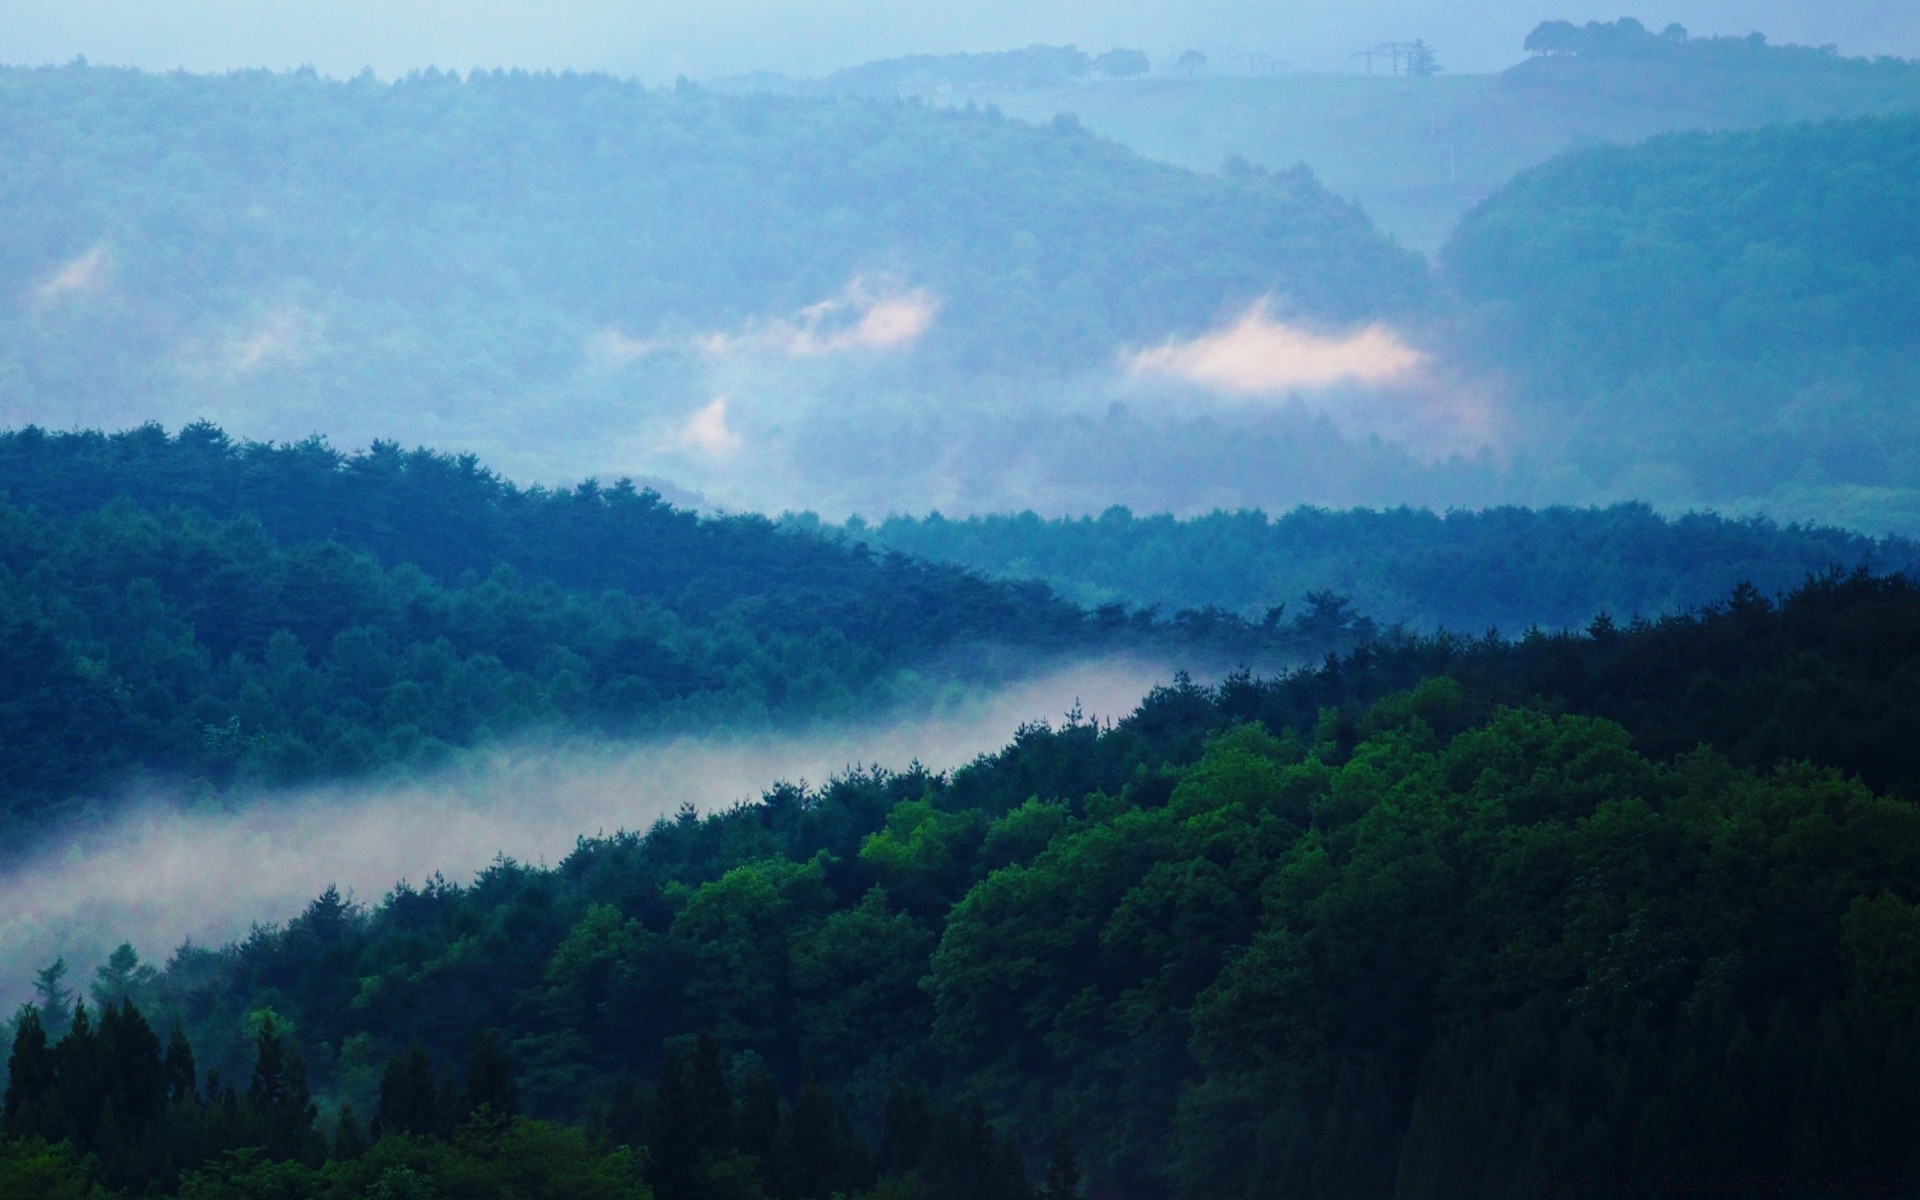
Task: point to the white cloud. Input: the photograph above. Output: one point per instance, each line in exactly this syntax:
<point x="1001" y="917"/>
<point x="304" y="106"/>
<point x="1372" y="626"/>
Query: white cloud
<point x="618" y="347"/>
<point x="283" y="337"/>
<point x="83" y="275"/>
<point x="707" y="431"/>
<point x="1258" y="355"/>
<point x="862" y="318"/>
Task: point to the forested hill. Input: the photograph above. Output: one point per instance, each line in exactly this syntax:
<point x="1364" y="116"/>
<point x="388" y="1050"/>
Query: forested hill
<point x="1504" y="568"/>
<point x="208" y="611"/>
<point x="540" y="254"/>
<point x="1706" y="316"/>
<point x="1416" y="923"/>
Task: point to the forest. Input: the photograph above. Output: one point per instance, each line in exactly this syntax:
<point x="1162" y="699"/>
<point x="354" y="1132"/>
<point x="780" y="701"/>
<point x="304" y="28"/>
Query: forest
<point x="1465" y="570"/>
<point x="545" y="264"/>
<point x="1711" y="314"/>
<point x="191" y="608"/>
<point x="1519" y="812"/>
<point x="1441" y="918"/>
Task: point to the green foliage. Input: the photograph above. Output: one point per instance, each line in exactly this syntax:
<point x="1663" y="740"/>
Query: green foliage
<point x="217" y="612"/>
<point x="1711" y="315"/>
<point x="33" y="1170"/>
<point x="1506" y="568"/>
<point x="1422" y="921"/>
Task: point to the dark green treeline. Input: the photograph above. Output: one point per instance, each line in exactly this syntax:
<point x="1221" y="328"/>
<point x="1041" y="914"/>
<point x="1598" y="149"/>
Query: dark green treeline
<point x="1438" y="918"/>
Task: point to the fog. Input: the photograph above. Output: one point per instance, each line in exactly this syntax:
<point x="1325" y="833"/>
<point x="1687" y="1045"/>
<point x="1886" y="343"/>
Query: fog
<point x="661" y="41"/>
<point x="164" y="871"/>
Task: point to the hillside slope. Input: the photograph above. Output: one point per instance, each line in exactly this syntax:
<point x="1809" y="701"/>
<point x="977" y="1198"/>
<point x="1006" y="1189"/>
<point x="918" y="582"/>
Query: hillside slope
<point x="1426" y="923"/>
<point x="1418" y="153"/>
<point x="1707" y="317"/>
<point x="1506" y="568"/>
<point x="207" y="612"/>
<point x="576" y="274"/>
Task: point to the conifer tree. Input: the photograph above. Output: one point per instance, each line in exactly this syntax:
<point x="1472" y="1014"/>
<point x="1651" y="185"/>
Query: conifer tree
<point x="55" y="998"/>
<point x="117" y="979"/>
<point x="349" y="1140"/>
<point x="408" y="1102"/>
<point x="490" y="1084"/>
<point x="76" y="1067"/>
<point x="182" y="1083"/>
<point x="30" y="1077"/>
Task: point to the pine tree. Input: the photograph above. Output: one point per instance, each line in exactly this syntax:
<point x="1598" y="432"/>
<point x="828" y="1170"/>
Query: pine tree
<point x="119" y="977"/>
<point x="178" y="1065"/>
<point x="56" y="998"/>
<point x="30" y="1077"/>
<point x="349" y="1140"/>
<point x="408" y="1103"/>
<point x="694" y="1108"/>
<point x="269" y="1069"/>
<point x="490" y="1084"/>
<point x="1063" y="1172"/>
<point x="76" y="1067"/>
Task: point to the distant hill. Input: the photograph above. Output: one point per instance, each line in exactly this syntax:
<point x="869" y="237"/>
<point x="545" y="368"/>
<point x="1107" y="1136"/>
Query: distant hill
<point x="205" y="612"/>
<point x="1710" y="316"/>
<point x="563" y="271"/>
<point x="1467" y="571"/>
<point x="1418" y="153"/>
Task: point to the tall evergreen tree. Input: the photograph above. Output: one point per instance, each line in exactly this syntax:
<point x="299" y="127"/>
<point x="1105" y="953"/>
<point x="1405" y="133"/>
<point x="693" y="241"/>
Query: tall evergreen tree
<point x="30" y="1077"/>
<point x="182" y="1083"/>
<point x="408" y="1101"/>
<point x="118" y="978"/>
<point x="490" y="1085"/>
<point x="55" y="998"/>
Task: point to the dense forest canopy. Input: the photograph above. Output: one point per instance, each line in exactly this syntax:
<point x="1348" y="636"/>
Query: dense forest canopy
<point x="194" y="608"/>
<point x="1393" y="905"/>
<point x="1422" y="921"/>
<point x="1505" y="568"/>
<point x="1711" y="315"/>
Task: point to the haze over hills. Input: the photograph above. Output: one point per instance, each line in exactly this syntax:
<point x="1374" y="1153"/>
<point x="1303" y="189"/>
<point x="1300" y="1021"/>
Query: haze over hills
<point x="772" y="301"/>
<point x="1418" y="152"/>
<point x="420" y="779"/>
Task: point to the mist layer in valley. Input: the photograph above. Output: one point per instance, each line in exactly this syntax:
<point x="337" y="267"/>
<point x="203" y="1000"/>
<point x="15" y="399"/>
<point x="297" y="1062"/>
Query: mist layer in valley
<point x="166" y="869"/>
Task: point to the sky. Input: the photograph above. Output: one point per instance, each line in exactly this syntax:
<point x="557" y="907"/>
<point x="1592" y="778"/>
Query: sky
<point x="658" y="42"/>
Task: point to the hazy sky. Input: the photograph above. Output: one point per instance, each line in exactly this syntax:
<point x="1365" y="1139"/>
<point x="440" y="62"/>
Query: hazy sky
<point x="658" y="41"/>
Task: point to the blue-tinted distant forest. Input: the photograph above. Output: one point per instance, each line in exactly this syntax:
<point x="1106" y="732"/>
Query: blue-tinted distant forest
<point x="1468" y="571"/>
<point x="1626" y="896"/>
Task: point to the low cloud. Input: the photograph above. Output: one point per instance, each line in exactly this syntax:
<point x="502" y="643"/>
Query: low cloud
<point x="708" y="432"/>
<point x="162" y="873"/>
<point x="1261" y="356"/>
<point x="863" y="318"/>
<point x="283" y="337"/>
<point x="83" y="275"/>
<point x="618" y="347"/>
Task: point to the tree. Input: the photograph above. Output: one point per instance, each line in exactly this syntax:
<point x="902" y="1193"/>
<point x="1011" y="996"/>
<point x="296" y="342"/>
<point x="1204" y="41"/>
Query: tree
<point x="408" y="1102"/>
<point x="1063" y="1172"/>
<point x="279" y="1095"/>
<point x="490" y="1086"/>
<point x="117" y="979"/>
<point x="1191" y="61"/>
<point x="1122" y="64"/>
<point x="55" y="997"/>
<point x="30" y="1076"/>
<point x="1554" y="39"/>
<point x="182" y="1084"/>
<point x="1420" y="59"/>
